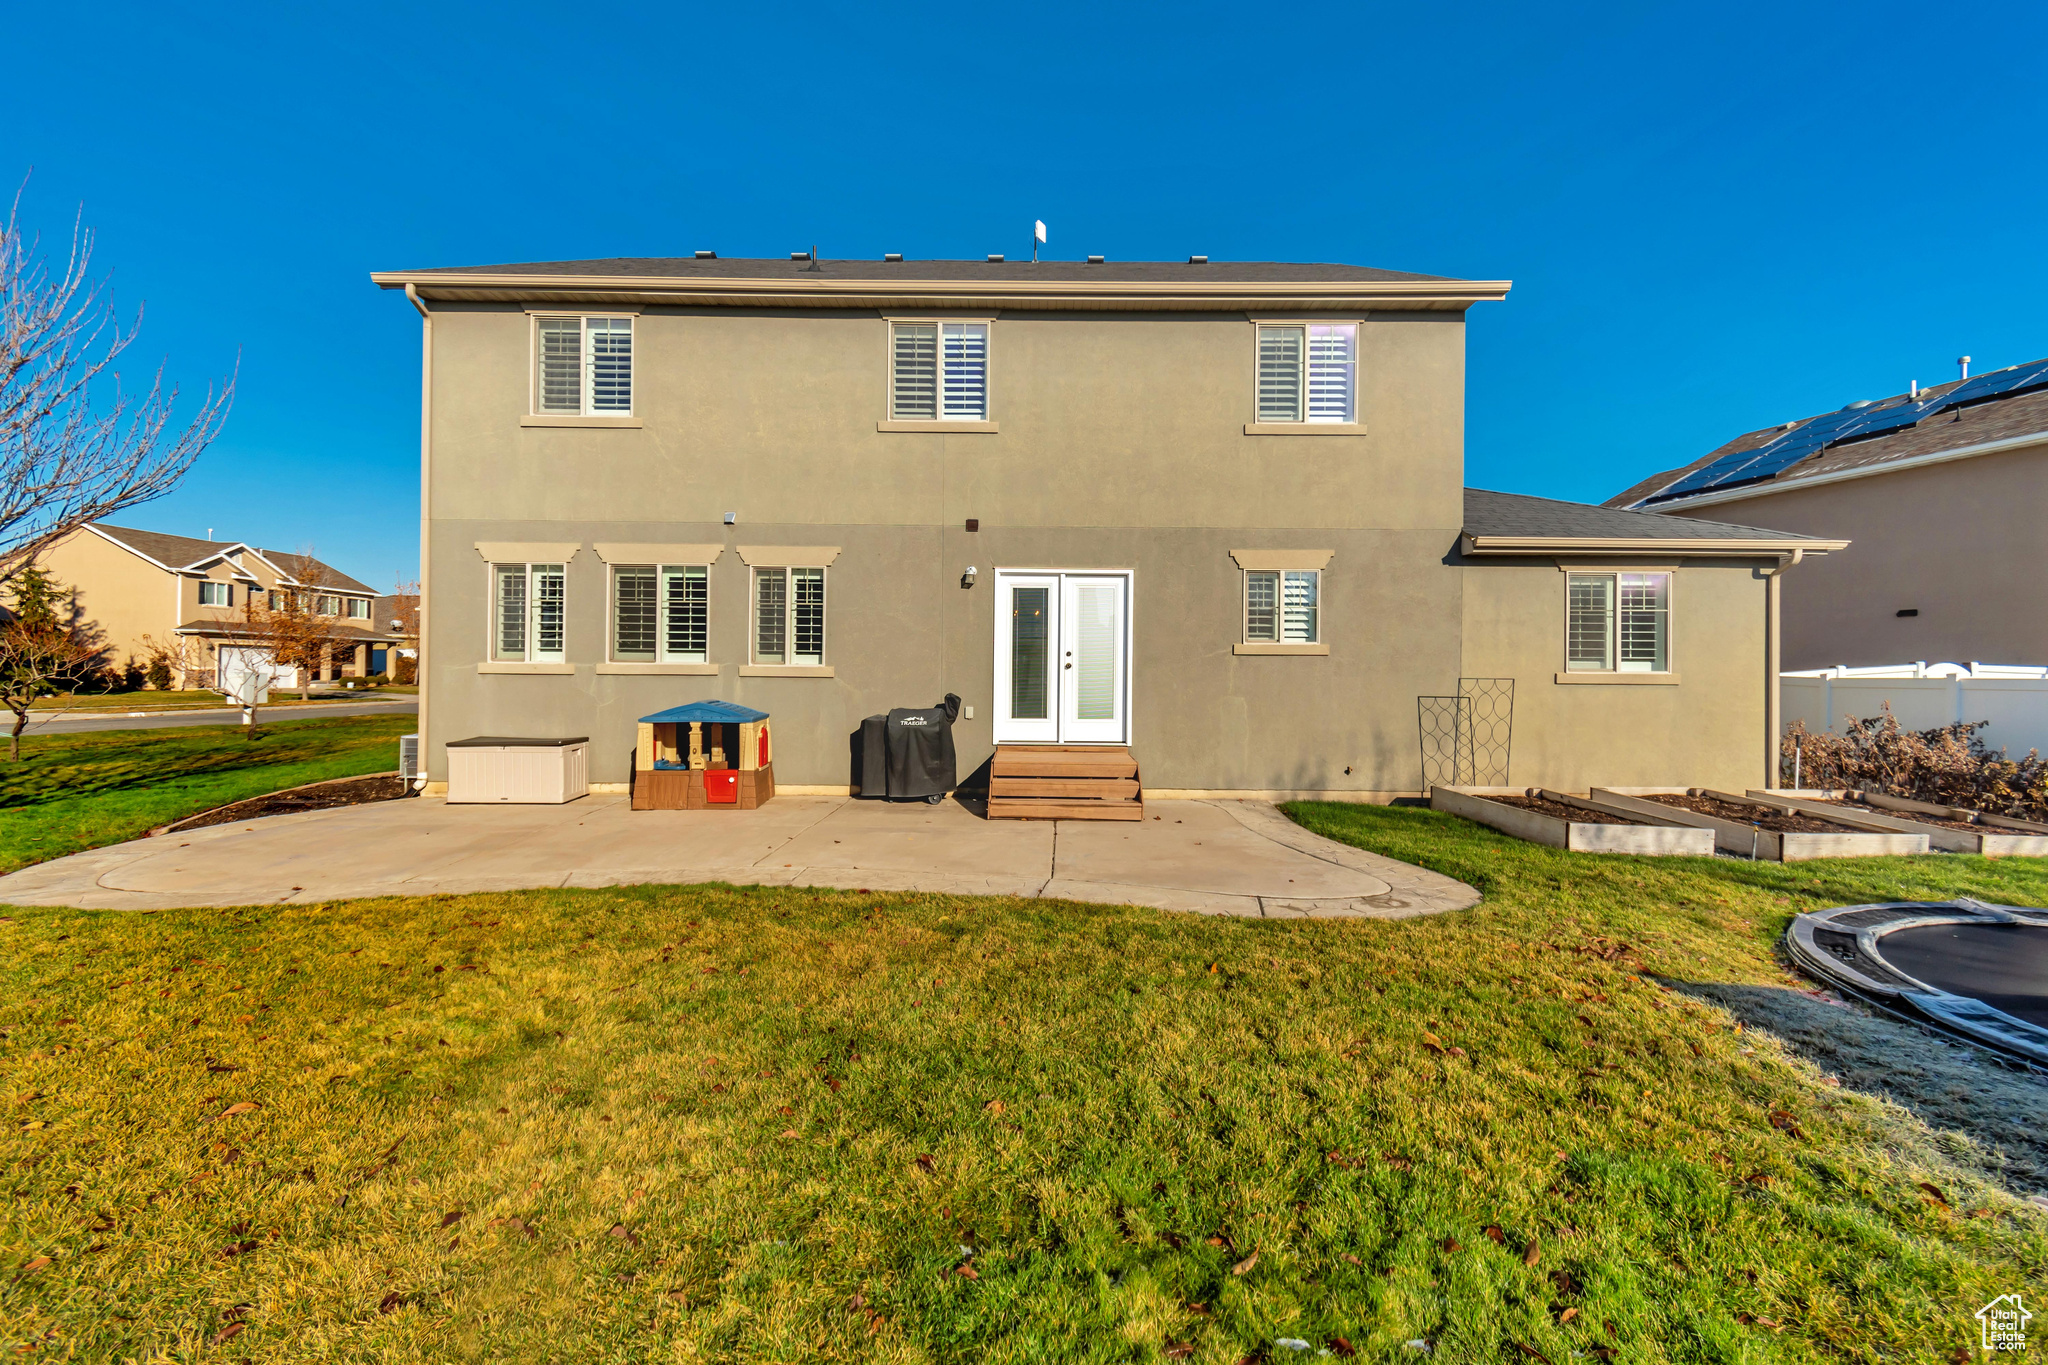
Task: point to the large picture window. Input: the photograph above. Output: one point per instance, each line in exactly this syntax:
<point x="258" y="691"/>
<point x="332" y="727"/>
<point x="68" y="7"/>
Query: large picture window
<point x="1282" y="606"/>
<point x="938" y="371"/>
<point x="660" y="613"/>
<point x="789" y="616"/>
<point x="1308" y="372"/>
<point x="583" y="365"/>
<point x="528" y="616"/>
<point x="1618" y="623"/>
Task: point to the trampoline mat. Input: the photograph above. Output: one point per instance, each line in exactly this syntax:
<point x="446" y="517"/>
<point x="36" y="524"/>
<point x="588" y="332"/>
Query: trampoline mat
<point x="2004" y="965"/>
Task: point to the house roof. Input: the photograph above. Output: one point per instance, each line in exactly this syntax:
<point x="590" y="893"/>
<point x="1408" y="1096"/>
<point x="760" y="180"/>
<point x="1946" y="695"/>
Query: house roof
<point x="1008" y="283"/>
<point x="343" y="632"/>
<point x="1999" y="422"/>
<point x="179" y="552"/>
<point x="1516" y="523"/>
<point x="705" y="712"/>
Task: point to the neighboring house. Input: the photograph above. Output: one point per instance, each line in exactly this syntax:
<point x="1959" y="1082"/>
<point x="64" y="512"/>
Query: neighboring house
<point x="1213" y="512"/>
<point x="399" y="614"/>
<point x="1943" y="490"/>
<point x="189" y="594"/>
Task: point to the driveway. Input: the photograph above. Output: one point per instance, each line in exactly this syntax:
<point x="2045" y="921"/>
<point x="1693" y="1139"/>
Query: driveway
<point x="1209" y="857"/>
<point x="80" y="722"/>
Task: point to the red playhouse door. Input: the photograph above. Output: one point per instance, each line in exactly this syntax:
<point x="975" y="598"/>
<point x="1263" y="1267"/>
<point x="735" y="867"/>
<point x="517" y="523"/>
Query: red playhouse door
<point x="722" y="786"/>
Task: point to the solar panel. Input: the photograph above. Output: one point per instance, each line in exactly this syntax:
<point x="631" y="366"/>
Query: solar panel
<point x="1997" y="384"/>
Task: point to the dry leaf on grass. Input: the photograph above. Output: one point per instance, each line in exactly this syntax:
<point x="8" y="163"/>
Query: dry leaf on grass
<point x="1244" y="1266"/>
<point x="245" y="1107"/>
<point x="966" y="1271"/>
<point x="1530" y="1253"/>
<point x="1499" y="1238"/>
<point x="924" y="1163"/>
<point x="391" y="1302"/>
<point x="452" y="1217"/>
<point x="995" y="1106"/>
<point x="32" y="1267"/>
<point x="625" y="1234"/>
<point x="1452" y="1244"/>
<point x="1526" y="1349"/>
<point x="1566" y="1316"/>
<point x="1934" y="1194"/>
<point x="1178" y="1350"/>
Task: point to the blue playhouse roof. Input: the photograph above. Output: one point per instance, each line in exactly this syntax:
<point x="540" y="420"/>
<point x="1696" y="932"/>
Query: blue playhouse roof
<point x="706" y="713"/>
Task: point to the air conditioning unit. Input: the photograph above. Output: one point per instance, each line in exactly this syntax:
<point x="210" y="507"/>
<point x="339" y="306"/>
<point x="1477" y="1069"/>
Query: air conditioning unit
<point x="409" y="757"/>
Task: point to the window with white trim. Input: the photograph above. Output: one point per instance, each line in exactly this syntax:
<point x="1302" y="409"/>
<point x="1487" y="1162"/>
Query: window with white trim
<point x="660" y="613"/>
<point x="1282" y="606"/>
<point x="938" y="371"/>
<point x="326" y="604"/>
<point x="1308" y="372"/>
<point x="583" y="365"/>
<point x="1617" y="622"/>
<point x="213" y="594"/>
<point x="789" y="616"/>
<point x="529" y="616"/>
<point x="358" y="608"/>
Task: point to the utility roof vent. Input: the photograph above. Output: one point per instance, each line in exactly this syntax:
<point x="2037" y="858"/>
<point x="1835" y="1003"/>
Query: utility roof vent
<point x="1859" y="403"/>
<point x="995" y="256"/>
<point x="1095" y="260"/>
<point x="707" y="255"/>
<point x="892" y="255"/>
<point x="799" y="255"/>
<point x="1198" y="260"/>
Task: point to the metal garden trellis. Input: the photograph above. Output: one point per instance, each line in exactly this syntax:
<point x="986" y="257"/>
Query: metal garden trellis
<point x="1468" y="740"/>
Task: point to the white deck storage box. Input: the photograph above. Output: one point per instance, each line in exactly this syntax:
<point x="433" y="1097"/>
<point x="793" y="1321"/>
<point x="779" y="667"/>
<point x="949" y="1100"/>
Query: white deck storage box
<point x="500" y="770"/>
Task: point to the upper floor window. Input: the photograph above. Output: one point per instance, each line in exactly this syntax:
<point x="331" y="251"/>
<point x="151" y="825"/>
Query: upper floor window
<point x="660" y="614"/>
<point x="528" y="612"/>
<point x="1308" y="372"/>
<point x="213" y="594"/>
<point x="789" y="616"/>
<point x="326" y="604"/>
<point x="358" y="608"/>
<point x="276" y="600"/>
<point x="1618" y="623"/>
<point x="583" y="365"/>
<point x="938" y="371"/>
<point x="1282" y="606"/>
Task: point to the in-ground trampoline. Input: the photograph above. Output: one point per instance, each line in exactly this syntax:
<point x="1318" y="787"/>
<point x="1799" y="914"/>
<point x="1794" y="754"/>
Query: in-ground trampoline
<point x="1969" y="968"/>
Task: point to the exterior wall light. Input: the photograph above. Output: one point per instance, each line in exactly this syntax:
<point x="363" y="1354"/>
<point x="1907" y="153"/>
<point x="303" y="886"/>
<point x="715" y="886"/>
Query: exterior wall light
<point x="967" y="579"/>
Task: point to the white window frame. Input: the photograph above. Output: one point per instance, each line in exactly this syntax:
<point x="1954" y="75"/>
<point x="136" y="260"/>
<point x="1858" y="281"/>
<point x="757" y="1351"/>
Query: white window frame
<point x="667" y="578"/>
<point x="941" y="414"/>
<point x="531" y="614"/>
<point x="587" y="396"/>
<point x="789" y="655"/>
<point x="358" y="609"/>
<point x="210" y="585"/>
<point x="1279" y="578"/>
<point x="1658" y="618"/>
<point x="1306" y="410"/>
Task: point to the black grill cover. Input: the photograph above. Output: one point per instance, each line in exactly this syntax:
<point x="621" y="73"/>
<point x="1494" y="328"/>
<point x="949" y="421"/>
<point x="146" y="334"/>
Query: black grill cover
<point x="920" y="750"/>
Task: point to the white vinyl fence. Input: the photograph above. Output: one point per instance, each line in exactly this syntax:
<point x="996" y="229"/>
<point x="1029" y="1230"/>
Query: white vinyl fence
<point x="2013" y="698"/>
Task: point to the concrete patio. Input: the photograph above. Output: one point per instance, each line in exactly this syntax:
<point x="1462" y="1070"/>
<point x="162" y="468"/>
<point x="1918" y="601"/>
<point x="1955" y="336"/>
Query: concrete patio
<point x="1207" y="857"/>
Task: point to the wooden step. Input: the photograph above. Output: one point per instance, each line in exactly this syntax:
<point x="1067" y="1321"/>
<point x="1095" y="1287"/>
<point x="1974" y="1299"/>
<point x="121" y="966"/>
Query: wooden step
<point x="1105" y="761"/>
<point x="1096" y="788"/>
<point x="1015" y="808"/>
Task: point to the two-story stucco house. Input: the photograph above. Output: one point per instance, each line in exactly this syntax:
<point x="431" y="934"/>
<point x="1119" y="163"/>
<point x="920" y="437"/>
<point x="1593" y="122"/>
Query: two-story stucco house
<point x="1211" y="513"/>
<point x="137" y="587"/>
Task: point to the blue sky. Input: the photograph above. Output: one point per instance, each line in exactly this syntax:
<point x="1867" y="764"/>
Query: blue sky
<point x="1716" y="217"/>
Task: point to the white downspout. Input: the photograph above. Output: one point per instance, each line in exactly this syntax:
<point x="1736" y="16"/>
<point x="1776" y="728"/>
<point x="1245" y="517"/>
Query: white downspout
<point x="412" y="296"/>
<point x="1773" y="713"/>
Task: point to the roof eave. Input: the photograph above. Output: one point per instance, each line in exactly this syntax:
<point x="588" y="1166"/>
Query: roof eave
<point x="1693" y="546"/>
<point x="869" y="293"/>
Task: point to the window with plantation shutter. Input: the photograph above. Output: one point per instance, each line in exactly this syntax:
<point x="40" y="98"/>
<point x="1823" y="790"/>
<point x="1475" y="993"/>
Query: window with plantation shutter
<point x="1280" y="374"/>
<point x="658" y="613"/>
<point x="583" y="365"/>
<point x="1308" y="373"/>
<point x="938" y="371"/>
<point x="529" y="612"/>
<point x="1282" y="607"/>
<point x="1331" y="369"/>
<point x="789" y="616"/>
<point x="1618" y="623"/>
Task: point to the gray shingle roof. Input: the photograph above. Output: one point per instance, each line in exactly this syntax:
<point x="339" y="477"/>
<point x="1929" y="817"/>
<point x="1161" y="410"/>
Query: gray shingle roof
<point x="1517" y="514"/>
<point x="178" y="551"/>
<point x="687" y="267"/>
<point x="1997" y="419"/>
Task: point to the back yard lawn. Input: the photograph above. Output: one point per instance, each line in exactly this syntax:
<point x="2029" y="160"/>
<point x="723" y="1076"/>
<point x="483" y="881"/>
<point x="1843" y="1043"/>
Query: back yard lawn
<point x="73" y="792"/>
<point x="662" y="1123"/>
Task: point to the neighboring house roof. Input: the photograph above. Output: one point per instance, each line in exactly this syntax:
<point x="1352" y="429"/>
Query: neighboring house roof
<point x="1516" y="523"/>
<point x="402" y="608"/>
<point x="340" y="630"/>
<point x="181" y="552"/>
<point x="1981" y="427"/>
<point x="867" y="283"/>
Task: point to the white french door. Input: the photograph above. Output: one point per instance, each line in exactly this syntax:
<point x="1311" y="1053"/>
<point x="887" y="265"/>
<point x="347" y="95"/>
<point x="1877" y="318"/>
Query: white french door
<point x="1062" y="657"/>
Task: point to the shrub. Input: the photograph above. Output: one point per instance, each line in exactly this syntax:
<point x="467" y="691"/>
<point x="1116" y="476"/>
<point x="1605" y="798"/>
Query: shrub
<point x="406" y="670"/>
<point x="1949" y="765"/>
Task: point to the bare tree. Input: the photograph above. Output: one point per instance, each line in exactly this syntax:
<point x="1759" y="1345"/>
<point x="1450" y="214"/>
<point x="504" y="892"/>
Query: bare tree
<point x="288" y="625"/>
<point x="66" y="459"/>
<point x="44" y="648"/>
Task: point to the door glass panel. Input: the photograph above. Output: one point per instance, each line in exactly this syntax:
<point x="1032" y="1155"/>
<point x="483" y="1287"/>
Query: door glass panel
<point x="1028" y="616"/>
<point x="1095" y="639"/>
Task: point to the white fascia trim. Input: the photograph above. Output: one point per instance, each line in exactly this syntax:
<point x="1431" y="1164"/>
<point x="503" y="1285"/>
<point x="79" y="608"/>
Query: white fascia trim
<point x="116" y="540"/>
<point x="1843" y="475"/>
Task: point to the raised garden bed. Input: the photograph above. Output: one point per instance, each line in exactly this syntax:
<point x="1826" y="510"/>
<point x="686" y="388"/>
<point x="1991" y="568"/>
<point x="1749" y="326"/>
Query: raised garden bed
<point x="1950" y="829"/>
<point x="1765" y="828"/>
<point x="1569" y="822"/>
<point x="344" y="791"/>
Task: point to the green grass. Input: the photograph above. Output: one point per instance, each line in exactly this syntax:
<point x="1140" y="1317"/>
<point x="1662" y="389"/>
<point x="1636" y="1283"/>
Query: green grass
<point x="74" y="792"/>
<point x="131" y="701"/>
<point x="777" y="1124"/>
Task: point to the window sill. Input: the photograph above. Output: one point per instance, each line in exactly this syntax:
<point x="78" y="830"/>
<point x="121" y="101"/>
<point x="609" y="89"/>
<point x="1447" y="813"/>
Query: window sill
<point x="1635" y="679"/>
<point x="942" y="428"/>
<point x="570" y="419"/>
<point x="661" y="670"/>
<point x="1304" y="428"/>
<point x="497" y="666"/>
<point x="1269" y="647"/>
<point x="787" y="671"/>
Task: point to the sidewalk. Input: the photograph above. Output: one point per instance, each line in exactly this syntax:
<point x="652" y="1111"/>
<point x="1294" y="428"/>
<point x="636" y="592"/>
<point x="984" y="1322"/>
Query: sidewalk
<point x="1207" y="857"/>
